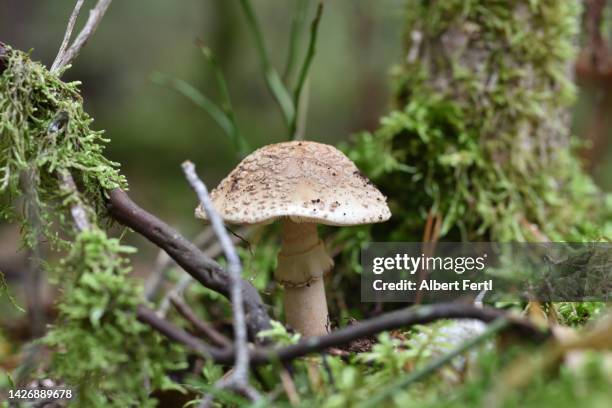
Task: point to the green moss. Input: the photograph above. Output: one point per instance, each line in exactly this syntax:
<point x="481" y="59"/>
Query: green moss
<point x="44" y="129"/>
<point x="102" y="352"/>
<point x="480" y="134"/>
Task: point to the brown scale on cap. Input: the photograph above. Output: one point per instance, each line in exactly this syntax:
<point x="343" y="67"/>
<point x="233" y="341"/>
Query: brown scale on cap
<point x="305" y="181"/>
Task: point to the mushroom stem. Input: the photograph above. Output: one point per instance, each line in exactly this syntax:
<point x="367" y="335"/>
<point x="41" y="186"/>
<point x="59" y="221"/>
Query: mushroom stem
<point x="302" y="262"/>
<point x="298" y="237"/>
<point x="306" y="309"/>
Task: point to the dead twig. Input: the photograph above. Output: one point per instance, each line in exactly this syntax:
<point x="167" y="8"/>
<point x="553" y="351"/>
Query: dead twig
<point x="177" y="291"/>
<point x="67" y="35"/>
<point x="239" y="379"/>
<point x="77" y="210"/>
<point x="95" y="16"/>
<point x="174" y="333"/>
<point x="202" y="327"/>
<point x="403" y="318"/>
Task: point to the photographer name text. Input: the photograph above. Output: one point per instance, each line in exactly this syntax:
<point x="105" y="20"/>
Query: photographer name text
<point x="433" y="285"/>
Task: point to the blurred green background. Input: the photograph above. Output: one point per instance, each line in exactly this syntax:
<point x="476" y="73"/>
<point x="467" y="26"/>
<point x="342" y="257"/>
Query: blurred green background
<point x="153" y="129"/>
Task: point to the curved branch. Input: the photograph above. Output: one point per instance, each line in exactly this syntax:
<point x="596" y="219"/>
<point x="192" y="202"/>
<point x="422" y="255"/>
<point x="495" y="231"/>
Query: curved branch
<point x="393" y="320"/>
<point x="188" y="256"/>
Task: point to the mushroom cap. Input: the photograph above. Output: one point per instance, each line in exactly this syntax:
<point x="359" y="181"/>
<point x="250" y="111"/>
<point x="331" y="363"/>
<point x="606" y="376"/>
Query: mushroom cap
<point x="305" y="181"/>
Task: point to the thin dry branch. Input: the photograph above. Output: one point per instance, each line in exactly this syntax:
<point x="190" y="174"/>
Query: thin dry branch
<point x="177" y="291"/>
<point x="95" y="16"/>
<point x="403" y="318"/>
<point x="77" y="210"/>
<point x="201" y="327"/>
<point x="239" y="379"/>
<point x="67" y="35"/>
<point x="177" y="334"/>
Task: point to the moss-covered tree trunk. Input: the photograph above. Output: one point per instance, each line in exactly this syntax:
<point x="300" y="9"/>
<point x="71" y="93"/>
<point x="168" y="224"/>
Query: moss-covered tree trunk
<point x="505" y="64"/>
<point x="481" y="132"/>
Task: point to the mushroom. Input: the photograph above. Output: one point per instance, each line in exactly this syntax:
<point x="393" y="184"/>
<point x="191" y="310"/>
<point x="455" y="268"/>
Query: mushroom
<point x="302" y="184"/>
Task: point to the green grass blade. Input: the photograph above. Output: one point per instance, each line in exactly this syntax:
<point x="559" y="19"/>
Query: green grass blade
<point x="240" y="143"/>
<point x="297" y="25"/>
<point x="314" y="29"/>
<point x="199" y="99"/>
<point x="273" y="80"/>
